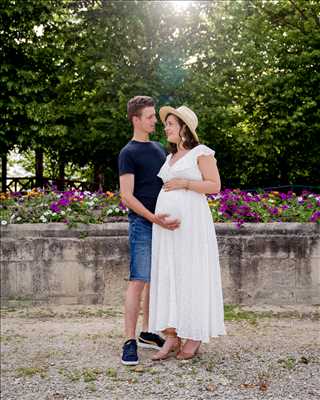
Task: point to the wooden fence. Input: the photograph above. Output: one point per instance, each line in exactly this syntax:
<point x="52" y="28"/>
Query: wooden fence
<point x="23" y="184"/>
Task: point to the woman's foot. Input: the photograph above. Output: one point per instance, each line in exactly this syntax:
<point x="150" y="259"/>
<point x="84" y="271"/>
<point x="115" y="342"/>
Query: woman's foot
<point x="190" y="349"/>
<point x="172" y="343"/>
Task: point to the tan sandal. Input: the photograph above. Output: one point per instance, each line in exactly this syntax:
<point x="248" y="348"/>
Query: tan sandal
<point x="163" y="355"/>
<point x="182" y="355"/>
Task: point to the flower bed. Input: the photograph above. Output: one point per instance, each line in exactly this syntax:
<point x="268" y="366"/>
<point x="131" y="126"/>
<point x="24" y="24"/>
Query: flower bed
<point x="73" y="206"/>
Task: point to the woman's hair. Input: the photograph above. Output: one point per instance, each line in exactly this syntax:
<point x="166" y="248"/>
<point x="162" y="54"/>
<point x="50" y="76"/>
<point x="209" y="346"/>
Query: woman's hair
<point x="190" y="141"/>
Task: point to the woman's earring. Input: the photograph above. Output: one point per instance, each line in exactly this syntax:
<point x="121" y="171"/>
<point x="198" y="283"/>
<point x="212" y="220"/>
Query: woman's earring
<point x="183" y="139"/>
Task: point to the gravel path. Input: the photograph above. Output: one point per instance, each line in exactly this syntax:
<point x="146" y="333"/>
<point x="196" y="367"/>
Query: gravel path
<point x="61" y="353"/>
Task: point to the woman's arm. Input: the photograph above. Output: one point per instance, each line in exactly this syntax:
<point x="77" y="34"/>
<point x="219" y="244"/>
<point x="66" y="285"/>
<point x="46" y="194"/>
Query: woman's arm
<point x="210" y="175"/>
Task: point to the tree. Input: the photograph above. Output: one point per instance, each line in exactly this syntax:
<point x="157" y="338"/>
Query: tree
<point x="248" y="68"/>
<point x="255" y="83"/>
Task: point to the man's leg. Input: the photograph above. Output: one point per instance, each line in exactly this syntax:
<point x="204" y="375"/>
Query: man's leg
<point x="146" y="298"/>
<point x="147" y="339"/>
<point x="140" y="232"/>
<point x="132" y="307"/>
<point x="131" y="314"/>
<point x="140" y="236"/>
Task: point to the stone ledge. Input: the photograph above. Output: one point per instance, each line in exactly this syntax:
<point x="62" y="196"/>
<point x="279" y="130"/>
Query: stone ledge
<point x="56" y="229"/>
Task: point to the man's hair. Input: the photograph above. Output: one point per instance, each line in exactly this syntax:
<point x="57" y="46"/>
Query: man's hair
<point x="137" y="104"/>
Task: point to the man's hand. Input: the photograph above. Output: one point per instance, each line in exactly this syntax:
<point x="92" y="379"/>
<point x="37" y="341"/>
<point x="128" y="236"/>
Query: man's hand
<point x="165" y="222"/>
<point x="175" y="184"/>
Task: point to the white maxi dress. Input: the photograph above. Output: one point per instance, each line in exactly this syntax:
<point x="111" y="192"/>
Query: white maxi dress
<point x="185" y="291"/>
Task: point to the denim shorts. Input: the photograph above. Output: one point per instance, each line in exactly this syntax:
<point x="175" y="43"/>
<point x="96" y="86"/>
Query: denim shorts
<point x="140" y="239"/>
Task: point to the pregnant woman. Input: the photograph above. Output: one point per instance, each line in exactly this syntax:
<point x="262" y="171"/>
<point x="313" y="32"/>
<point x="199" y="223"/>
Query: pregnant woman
<point x="185" y="294"/>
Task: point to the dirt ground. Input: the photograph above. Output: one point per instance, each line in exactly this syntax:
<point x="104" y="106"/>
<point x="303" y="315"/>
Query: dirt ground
<point x="60" y="353"/>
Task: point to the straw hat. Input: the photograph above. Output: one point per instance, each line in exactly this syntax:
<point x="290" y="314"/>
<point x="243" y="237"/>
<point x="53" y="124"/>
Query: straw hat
<point x="185" y="114"/>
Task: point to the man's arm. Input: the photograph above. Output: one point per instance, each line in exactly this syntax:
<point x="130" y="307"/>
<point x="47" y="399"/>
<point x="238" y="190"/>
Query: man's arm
<point x="126" y="190"/>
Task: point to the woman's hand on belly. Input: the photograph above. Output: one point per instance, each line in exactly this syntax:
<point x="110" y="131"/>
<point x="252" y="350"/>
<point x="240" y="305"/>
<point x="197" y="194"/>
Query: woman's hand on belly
<point x="166" y="222"/>
<point x="175" y="184"/>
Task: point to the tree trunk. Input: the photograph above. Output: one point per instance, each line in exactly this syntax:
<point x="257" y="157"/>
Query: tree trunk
<point x="4" y="173"/>
<point x="284" y="172"/>
<point x="39" y="168"/>
<point x="98" y="178"/>
<point x="61" y="177"/>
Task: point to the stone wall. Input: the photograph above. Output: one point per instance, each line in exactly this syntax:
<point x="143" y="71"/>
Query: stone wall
<point x="260" y="263"/>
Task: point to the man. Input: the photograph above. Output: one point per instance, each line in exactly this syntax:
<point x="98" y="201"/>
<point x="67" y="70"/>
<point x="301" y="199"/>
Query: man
<point x="139" y="163"/>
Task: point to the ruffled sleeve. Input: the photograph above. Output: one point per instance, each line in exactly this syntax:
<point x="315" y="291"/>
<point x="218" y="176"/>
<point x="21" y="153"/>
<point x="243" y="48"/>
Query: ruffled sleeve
<point x="163" y="173"/>
<point x="203" y="150"/>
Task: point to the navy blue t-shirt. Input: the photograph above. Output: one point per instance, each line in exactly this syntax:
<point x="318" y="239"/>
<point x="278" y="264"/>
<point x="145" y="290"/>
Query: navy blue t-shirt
<point x="143" y="160"/>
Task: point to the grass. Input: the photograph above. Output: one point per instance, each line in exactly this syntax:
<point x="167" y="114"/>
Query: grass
<point x="28" y="311"/>
<point x="31" y="371"/>
<point x="236" y="313"/>
<point x="87" y="374"/>
<point x="210" y="365"/>
<point x="288" y="363"/>
<point x="99" y="313"/>
<point x="12" y="338"/>
<point x="91" y="374"/>
<point x="112" y="373"/>
<point x="232" y="312"/>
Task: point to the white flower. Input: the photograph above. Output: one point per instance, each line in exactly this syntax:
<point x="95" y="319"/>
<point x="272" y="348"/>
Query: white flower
<point x="271" y="201"/>
<point x="90" y="203"/>
<point x="117" y="209"/>
<point x="62" y="212"/>
<point x="4" y="222"/>
<point x="310" y="195"/>
<point x="300" y="198"/>
<point x="19" y="219"/>
<point x="43" y="219"/>
<point x="69" y="209"/>
<point x="109" y="212"/>
<point x="219" y="213"/>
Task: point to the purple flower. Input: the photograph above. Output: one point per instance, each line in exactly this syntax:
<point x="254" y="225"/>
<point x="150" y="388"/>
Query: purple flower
<point x="223" y="208"/>
<point x="64" y="202"/>
<point x="244" y="209"/>
<point x="315" y="217"/>
<point x="54" y="207"/>
<point x="122" y="206"/>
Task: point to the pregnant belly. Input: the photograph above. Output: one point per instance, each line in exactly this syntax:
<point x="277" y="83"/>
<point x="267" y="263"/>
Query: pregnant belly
<point x="170" y="203"/>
